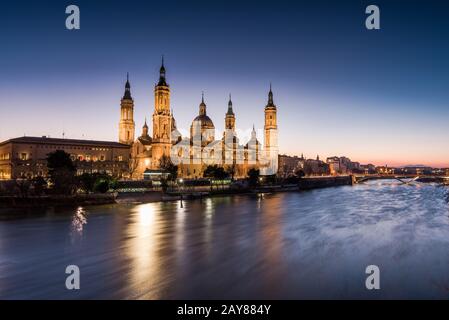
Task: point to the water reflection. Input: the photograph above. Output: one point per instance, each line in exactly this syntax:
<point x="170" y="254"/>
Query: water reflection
<point x="79" y="219"/>
<point x="141" y="248"/>
<point x="312" y="244"/>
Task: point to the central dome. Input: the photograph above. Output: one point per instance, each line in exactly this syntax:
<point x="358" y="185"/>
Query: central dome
<point x="205" y="121"/>
<point x="202" y="126"/>
<point x="202" y="119"/>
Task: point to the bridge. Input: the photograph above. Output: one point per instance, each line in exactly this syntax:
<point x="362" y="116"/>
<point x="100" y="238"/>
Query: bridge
<point x="403" y="178"/>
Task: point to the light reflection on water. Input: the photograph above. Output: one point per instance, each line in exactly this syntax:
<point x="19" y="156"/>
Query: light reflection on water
<point x="313" y="244"/>
<point x="78" y="221"/>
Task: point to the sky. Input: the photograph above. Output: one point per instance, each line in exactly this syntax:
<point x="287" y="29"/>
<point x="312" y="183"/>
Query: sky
<point x="375" y="96"/>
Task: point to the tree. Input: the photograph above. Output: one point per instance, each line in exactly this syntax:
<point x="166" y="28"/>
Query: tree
<point x="167" y="165"/>
<point x="102" y="184"/>
<point x="209" y="172"/>
<point x="231" y="170"/>
<point x="215" y="172"/>
<point x="39" y="185"/>
<point x="300" y="173"/>
<point x="270" y="179"/>
<point x="164" y="185"/>
<point x="87" y="182"/>
<point x="61" y="171"/>
<point x="23" y="186"/>
<point x="97" y="182"/>
<point x="220" y="174"/>
<point x="113" y="184"/>
<point x="253" y="177"/>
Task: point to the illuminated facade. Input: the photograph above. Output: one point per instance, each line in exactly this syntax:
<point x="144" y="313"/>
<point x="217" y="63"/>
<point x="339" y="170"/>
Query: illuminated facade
<point x="194" y="153"/>
<point x="126" y="125"/>
<point x="131" y="157"/>
<point x="25" y="157"/>
<point x="271" y="137"/>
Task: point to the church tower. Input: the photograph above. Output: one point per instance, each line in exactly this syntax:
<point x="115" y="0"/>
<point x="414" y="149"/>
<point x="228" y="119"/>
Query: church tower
<point x="230" y="140"/>
<point x="126" y="124"/>
<point x="271" y="136"/>
<point x="230" y="117"/>
<point x="162" y="119"/>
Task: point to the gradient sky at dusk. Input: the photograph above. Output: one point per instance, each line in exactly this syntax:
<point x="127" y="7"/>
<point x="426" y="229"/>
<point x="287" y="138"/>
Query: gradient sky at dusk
<point x="374" y="96"/>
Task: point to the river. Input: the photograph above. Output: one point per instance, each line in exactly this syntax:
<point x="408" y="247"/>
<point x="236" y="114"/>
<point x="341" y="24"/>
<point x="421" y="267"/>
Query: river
<point x="296" y="245"/>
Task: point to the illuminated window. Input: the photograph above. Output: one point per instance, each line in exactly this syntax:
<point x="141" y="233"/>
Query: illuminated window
<point x="102" y="158"/>
<point x="120" y="158"/>
<point x="23" y="156"/>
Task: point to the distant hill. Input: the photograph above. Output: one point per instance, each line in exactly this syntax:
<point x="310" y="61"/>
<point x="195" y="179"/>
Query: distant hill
<point x="415" y="166"/>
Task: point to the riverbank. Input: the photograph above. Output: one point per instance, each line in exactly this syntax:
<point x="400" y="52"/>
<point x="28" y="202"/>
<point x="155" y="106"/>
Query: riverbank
<point x="56" y="200"/>
<point x="303" y="184"/>
<point x="159" y="196"/>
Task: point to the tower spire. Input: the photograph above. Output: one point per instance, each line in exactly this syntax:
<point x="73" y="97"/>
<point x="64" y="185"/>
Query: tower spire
<point x="145" y="129"/>
<point x="230" y="111"/>
<point x="162" y="80"/>
<point x="202" y="105"/>
<point x="270" y="97"/>
<point x="127" y="94"/>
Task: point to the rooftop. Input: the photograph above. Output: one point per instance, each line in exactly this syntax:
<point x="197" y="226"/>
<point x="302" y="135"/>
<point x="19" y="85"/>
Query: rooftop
<point x="47" y="140"/>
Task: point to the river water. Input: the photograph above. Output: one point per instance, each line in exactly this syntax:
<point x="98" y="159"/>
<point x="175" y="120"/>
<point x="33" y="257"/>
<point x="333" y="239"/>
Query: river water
<point x="298" y="245"/>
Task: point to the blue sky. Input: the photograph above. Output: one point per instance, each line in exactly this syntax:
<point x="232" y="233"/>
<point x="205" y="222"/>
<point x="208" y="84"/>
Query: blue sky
<point x="375" y="96"/>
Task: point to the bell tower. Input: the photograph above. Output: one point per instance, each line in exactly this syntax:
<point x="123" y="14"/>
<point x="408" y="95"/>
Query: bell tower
<point x="162" y="119"/>
<point x="230" y="117"/>
<point x="271" y="136"/>
<point x="126" y="124"/>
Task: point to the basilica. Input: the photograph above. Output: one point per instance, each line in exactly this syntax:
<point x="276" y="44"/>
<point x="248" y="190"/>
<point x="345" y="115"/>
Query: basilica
<point x="193" y="154"/>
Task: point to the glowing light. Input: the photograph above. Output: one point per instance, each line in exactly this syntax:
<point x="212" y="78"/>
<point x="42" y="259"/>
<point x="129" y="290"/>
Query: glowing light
<point x="79" y="219"/>
<point x="146" y="214"/>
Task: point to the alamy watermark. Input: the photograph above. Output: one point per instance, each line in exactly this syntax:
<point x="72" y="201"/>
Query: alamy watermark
<point x="72" y="22"/>
<point x="372" y="282"/>
<point x="72" y="282"/>
<point x="372" y="22"/>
